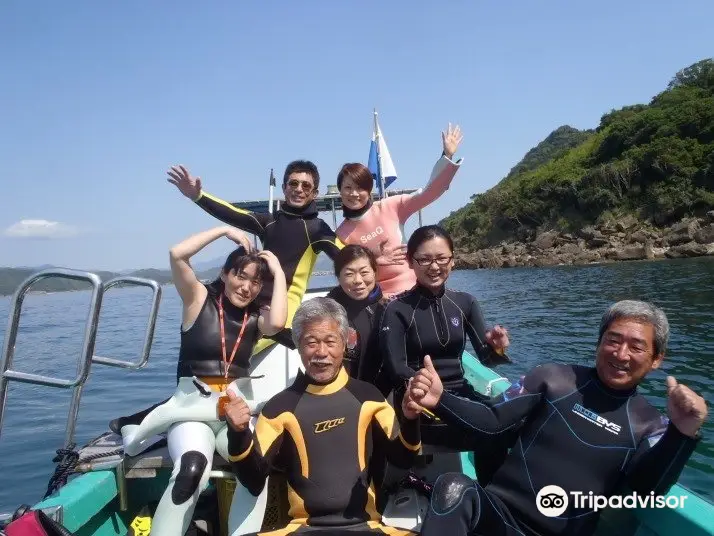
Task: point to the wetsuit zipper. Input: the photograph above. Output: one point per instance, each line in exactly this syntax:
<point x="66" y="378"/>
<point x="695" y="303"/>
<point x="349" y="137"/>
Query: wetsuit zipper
<point x="441" y="329"/>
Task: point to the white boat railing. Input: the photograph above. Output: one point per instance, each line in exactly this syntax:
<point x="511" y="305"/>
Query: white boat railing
<point x="151" y="326"/>
<point x="87" y="357"/>
<point x="84" y="362"/>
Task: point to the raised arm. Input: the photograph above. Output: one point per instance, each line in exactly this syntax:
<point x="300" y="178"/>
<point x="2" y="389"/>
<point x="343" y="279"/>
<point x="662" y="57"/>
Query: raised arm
<point x="485" y="420"/>
<point x="659" y="460"/>
<point x="273" y="320"/>
<point x="325" y="240"/>
<point x="441" y="176"/>
<point x="489" y="345"/>
<point x="661" y="456"/>
<point x="190" y="187"/>
<point x="190" y="289"/>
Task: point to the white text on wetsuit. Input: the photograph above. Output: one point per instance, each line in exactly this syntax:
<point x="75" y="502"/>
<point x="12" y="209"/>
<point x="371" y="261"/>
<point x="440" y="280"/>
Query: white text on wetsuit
<point x="369" y="236"/>
<point x="593" y="417"/>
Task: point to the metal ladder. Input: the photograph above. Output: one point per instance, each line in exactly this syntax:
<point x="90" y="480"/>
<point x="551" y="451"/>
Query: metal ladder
<point x="87" y="356"/>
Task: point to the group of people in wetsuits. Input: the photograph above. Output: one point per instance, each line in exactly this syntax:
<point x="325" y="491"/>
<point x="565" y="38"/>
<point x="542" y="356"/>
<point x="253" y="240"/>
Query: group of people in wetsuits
<point x="392" y="330"/>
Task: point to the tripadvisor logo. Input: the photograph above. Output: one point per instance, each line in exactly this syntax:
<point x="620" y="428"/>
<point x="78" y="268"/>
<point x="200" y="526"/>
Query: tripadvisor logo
<point x="553" y="501"/>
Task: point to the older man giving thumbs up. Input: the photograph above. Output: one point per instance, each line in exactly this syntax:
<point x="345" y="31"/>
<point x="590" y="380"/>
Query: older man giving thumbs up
<point x="581" y="430"/>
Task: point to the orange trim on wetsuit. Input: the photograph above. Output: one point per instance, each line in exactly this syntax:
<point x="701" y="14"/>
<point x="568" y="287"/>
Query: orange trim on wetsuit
<point x="323" y="437"/>
<point x="216" y="384"/>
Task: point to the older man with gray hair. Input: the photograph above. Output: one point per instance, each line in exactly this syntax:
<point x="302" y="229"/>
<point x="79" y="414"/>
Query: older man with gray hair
<point x="322" y="431"/>
<point x="584" y="432"/>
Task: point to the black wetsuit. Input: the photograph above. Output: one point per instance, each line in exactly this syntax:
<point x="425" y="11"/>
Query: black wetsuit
<point x="577" y="434"/>
<point x="418" y="323"/>
<point x="363" y="358"/>
<point x="201" y="354"/>
<point x="323" y="437"/>
<point x="296" y="236"/>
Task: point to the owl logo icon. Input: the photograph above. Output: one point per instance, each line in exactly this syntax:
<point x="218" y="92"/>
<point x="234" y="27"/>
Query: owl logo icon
<point x="552" y="501"/>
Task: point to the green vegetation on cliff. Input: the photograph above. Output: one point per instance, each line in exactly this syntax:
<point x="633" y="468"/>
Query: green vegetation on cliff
<point x="555" y="145"/>
<point x="654" y="161"/>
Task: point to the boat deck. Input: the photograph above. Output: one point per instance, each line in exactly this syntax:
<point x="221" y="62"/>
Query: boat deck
<point x="105" y="453"/>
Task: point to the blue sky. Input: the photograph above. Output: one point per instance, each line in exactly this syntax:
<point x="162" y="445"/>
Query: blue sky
<point x="99" y="99"/>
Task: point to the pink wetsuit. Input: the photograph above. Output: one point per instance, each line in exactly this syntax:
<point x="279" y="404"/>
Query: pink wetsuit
<point x="381" y="223"/>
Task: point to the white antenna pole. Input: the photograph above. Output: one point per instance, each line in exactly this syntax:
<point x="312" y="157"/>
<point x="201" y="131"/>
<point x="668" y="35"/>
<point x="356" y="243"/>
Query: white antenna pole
<point x="379" y="156"/>
<point x="272" y="188"/>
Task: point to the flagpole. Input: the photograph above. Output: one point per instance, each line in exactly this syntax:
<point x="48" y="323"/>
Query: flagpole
<point x="379" y="156"/>
<point x="272" y="188"/>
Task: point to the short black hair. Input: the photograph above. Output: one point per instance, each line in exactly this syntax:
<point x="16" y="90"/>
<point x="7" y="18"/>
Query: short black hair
<point x="236" y="262"/>
<point x="302" y="166"/>
<point x="424" y="234"/>
<point x="350" y="253"/>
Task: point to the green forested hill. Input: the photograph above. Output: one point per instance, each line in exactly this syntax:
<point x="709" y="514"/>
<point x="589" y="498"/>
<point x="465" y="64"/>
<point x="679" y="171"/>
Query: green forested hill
<point x="11" y="278"/>
<point x="555" y="145"/>
<point x="653" y="161"/>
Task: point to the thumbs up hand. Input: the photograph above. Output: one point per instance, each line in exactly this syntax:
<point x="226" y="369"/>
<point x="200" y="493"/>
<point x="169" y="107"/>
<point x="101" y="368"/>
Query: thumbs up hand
<point x="237" y="412"/>
<point x="410" y="408"/>
<point x="425" y="387"/>
<point x="687" y="410"/>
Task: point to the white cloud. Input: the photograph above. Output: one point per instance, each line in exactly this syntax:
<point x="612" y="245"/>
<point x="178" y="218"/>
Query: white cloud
<point x="40" y="229"/>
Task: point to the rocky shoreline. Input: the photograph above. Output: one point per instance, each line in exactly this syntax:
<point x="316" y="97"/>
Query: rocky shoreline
<point x="625" y="239"/>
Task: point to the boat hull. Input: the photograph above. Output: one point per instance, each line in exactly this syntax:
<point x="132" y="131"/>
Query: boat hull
<point x="107" y="502"/>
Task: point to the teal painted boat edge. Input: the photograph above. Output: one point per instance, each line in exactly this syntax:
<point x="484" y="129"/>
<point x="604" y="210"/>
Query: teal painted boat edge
<point x="88" y="495"/>
<point x="82" y="498"/>
<point x="696" y="517"/>
<point x="91" y="506"/>
<point x="479" y="377"/>
<point x="107" y="522"/>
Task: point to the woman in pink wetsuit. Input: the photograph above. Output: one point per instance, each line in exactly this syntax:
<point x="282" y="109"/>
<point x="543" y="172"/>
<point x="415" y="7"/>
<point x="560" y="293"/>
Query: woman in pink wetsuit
<point x="376" y="225"/>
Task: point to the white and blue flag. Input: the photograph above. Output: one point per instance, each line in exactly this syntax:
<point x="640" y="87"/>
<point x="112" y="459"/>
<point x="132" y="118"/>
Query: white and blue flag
<point x="380" y="161"/>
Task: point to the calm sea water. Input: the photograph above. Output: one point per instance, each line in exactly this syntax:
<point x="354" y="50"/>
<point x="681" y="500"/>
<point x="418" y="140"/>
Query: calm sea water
<point x="551" y="313"/>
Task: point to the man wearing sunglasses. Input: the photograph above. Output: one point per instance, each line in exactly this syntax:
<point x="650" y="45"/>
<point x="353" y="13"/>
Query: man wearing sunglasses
<point x="294" y="234"/>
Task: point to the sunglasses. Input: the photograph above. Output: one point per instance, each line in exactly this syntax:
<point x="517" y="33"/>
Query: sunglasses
<point x="303" y="185"/>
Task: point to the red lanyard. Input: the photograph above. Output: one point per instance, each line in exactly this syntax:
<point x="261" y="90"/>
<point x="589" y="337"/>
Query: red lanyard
<point x="223" y="335"/>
